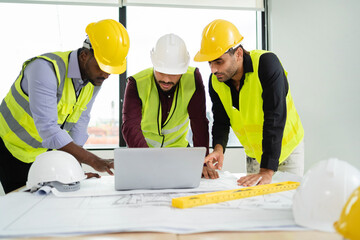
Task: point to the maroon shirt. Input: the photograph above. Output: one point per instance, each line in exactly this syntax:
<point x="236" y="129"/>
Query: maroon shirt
<point x="131" y="127"/>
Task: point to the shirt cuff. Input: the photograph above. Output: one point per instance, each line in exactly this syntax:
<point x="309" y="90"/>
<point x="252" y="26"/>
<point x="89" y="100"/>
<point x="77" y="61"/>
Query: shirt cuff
<point x="79" y="139"/>
<point x="223" y="143"/>
<point x="271" y="164"/>
<point x="57" y="141"/>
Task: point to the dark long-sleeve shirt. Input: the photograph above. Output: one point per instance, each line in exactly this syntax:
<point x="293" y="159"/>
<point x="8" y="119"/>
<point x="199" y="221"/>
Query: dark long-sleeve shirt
<point x="131" y="128"/>
<point x="275" y="88"/>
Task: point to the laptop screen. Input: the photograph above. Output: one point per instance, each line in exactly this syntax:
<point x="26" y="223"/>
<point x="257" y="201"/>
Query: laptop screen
<point x="158" y="168"/>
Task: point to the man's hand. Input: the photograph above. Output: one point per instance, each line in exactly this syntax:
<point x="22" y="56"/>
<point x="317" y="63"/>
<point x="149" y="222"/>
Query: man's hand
<point x="91" y="175"/>
<point x="103" y="165"/>
<point x="263" y="177"/>
<point x="84" y="156"/>
<point x="215" y="159"/>
<point x="209" y="173"/>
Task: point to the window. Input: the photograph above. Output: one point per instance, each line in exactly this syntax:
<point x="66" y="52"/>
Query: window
<point x="32" y="29"/>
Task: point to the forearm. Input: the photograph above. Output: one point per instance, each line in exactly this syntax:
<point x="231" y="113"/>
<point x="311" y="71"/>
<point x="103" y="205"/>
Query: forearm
<point x="218" y="148"/>
<point x="84" y="156"/>
<point x="220" y="134"/>
<point x="81" y="154"/>
<point x="273" y="129"/>
<point x="133" y="135"/>
<point x="79" y="132"/>
<point x="131" y="126"/>
<point x="200" y="131"/>
<point x="221" y="124"/>
<point x="271" y="153"/>
<point x="197" y="114"/>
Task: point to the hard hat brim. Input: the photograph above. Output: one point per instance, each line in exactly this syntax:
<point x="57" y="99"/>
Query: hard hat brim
<point x="199" y="57"/>
<point x="113" y="69"/>
<point x="171" y="71"/>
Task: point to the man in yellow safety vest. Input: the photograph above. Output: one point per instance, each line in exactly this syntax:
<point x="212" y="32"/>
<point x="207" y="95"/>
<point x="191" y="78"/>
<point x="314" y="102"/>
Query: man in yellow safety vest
<point x="48" y="106"/>
<point x="250" y="93"/>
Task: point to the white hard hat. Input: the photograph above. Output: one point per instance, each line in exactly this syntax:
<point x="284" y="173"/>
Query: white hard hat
<point x="58" y="169"/>
<point x="324" y="190"/>
<point x="170" y="55"/>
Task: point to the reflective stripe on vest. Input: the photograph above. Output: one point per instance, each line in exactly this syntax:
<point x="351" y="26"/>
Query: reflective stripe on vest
<point x="62" y="72"/>
<point x="21" y="132"/>
<point x="17" y="127"/>
<point x="174" y="130"/>
<point x="247" y="122"/>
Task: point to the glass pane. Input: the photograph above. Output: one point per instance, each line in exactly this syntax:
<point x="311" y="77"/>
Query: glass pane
<point x="146" y="24"/>
<point x="32" y="29"/>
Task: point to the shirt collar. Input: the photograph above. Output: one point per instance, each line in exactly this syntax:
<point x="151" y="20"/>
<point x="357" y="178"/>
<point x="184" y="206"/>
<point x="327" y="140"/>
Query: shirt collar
<point x="74" y="70"/>
<point x="248" y="67"/>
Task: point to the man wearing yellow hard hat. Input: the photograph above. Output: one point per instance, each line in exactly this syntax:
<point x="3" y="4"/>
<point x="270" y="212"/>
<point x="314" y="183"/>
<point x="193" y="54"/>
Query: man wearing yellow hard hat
<point x="48" y="106"/>
<point x="250" y="92"/>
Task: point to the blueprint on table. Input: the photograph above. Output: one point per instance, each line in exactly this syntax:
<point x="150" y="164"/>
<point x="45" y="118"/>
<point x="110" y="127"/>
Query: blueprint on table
<point x="25" y="214"/>
<point x="104" y="186"/>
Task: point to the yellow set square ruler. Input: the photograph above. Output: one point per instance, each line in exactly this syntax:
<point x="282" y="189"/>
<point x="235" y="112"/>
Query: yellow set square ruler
<point x="227" y="195"/>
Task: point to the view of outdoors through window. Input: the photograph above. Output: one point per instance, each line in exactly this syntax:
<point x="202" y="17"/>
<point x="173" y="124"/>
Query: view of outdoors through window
<point x="35" y="29"/>
<point x="47" y="28"/>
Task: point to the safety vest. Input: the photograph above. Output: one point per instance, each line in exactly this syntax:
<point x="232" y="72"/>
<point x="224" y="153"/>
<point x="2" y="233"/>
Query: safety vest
<point x="172" y="133"/>
<point x="247" y="122"/>
<point x="17" y="127"/>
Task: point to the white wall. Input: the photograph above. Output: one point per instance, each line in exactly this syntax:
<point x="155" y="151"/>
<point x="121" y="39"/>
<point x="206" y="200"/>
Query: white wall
<point x="318" y="44"/>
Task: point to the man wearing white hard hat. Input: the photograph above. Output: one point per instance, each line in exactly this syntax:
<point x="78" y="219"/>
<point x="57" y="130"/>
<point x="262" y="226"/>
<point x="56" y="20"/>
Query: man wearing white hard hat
<point x="161" y="101"/>
<point x="48" y="106"/>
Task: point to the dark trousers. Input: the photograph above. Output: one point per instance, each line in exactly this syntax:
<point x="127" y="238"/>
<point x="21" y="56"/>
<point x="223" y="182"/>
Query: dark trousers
<point x="13" y="172"/>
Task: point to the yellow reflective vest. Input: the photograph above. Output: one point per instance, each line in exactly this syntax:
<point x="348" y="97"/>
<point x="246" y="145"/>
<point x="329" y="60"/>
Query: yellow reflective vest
<point x="247" y="122"/>
<point x="17" y="127"/>
<point x="172" y="133"/>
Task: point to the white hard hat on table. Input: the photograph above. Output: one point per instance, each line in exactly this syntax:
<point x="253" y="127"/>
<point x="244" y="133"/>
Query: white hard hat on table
<point x="324" y="190"/>
<point x="55" y="168"/>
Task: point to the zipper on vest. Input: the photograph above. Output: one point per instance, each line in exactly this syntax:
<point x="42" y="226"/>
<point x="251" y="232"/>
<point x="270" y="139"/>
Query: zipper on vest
<point x="176" y="94"/>
<point x="63" y="124"/>
<point x="169" y="116"/>
<point x="76" y="97"/>
<point x="159" y="125"/>
<point x="162" y="142"/>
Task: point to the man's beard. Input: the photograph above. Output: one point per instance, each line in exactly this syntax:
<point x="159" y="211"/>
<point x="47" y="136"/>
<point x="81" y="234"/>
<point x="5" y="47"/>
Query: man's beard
<point x="171" y="90"/>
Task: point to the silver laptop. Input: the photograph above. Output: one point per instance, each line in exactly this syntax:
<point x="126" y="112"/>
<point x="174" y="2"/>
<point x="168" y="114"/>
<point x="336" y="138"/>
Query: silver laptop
<point x="158" y="168"/>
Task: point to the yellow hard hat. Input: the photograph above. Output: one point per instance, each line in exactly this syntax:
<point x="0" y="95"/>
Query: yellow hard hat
<point x="348" y="224"/>
<point x="217" y="37"/>
<point x="111" y="43"/>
